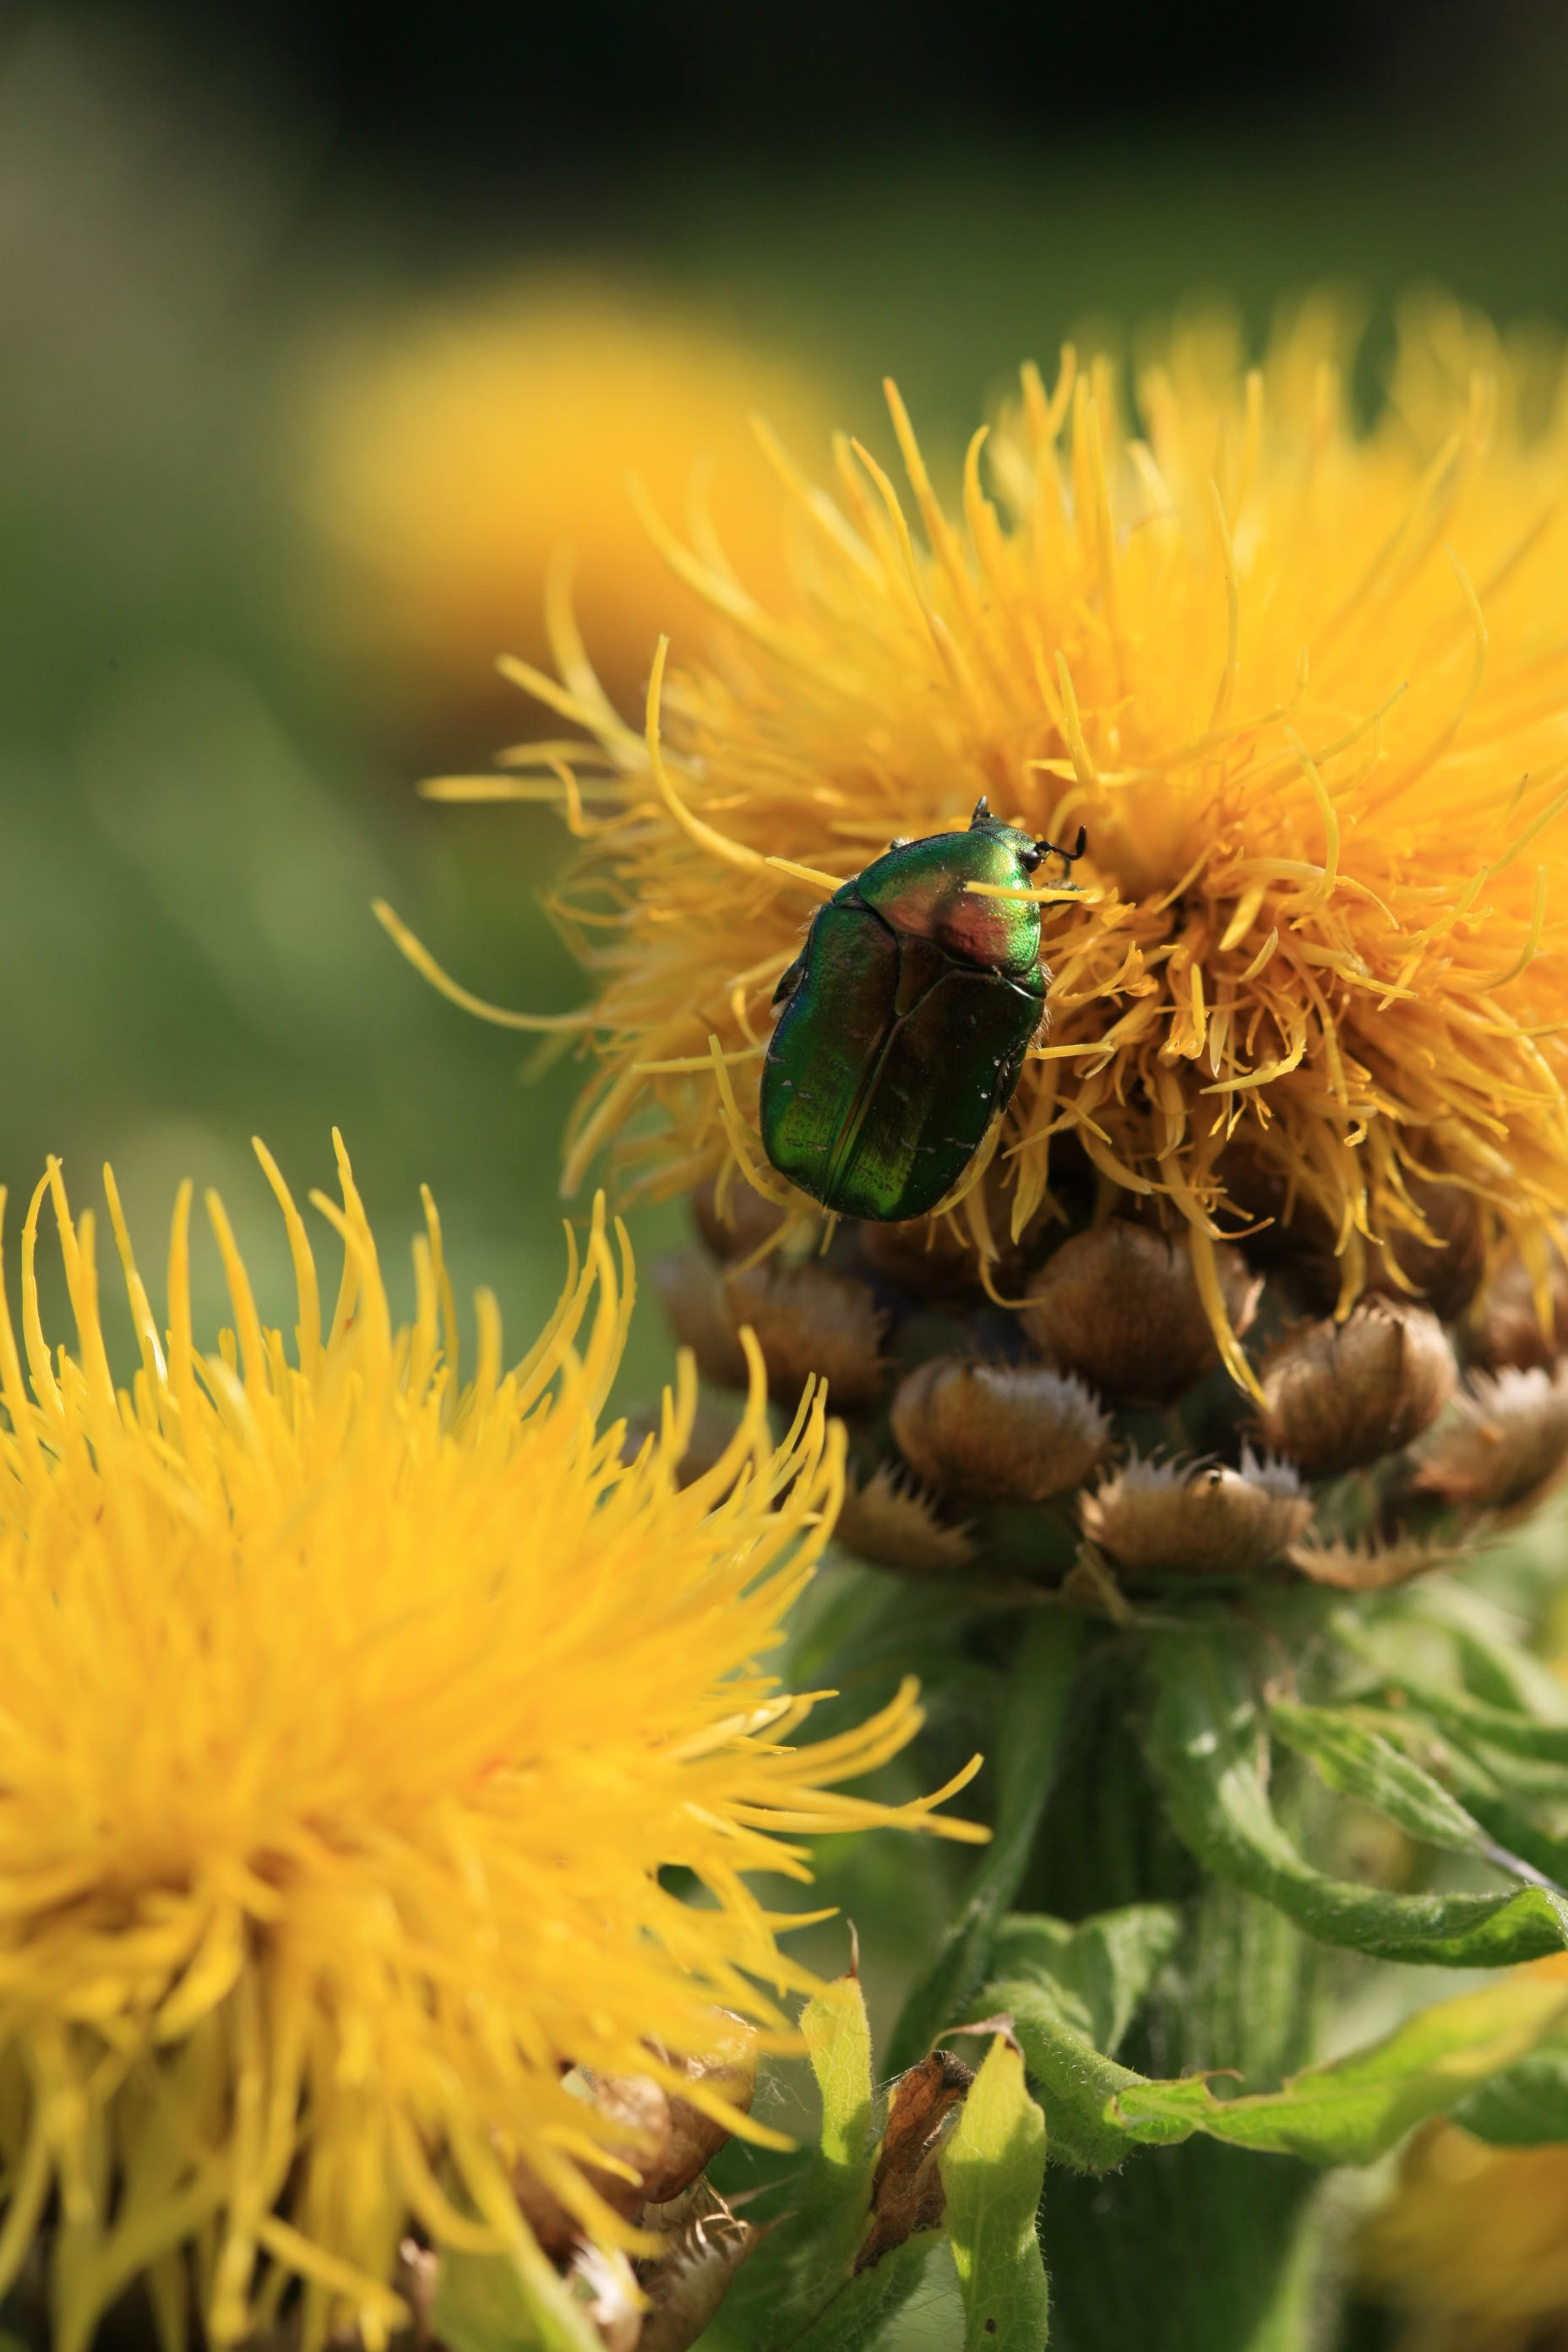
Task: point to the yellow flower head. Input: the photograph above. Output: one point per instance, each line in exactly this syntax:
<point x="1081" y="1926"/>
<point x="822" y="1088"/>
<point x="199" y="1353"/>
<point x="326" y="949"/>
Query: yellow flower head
<point x="459" y="456"/>
<point x="1305" y="683"/>
<point x="352" y="1712"/>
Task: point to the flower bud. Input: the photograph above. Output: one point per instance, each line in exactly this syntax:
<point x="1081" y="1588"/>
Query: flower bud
<point x="733" y="1219"/>
<point x="729" y="2071"/>
<point x="892" y="1524"/>
<point x="999" y="1433"/>
<point x="1369" y="1567"/>
<point x="691" y="1292"/>
<point x="638" y="2112"/>
<point x="1196" y="1520"/>
<point x="1289" y="1232"/>
<point x="551" y="2223"/>
<point x="1339" y="1395"/>
<point x="809" y="1318"/>
<point x="1505" y="1442"/>
<point x="690" y="2279"/>
<point x="1506" y="1329"/>
<point x="1119" y="1305"/>
<point x="1444" y="1271"/>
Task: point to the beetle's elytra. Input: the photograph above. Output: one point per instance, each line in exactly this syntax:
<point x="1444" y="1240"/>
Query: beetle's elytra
<point x="905" y="1020"/>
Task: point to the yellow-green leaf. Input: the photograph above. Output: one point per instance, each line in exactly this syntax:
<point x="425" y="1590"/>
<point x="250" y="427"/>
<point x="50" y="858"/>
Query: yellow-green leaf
<point x="837" y="2037"/>
<point x="804" y="2266"/>
<point x="993" y="2169"/>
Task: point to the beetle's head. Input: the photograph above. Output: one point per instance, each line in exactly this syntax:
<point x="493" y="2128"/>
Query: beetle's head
<point x="1030" y="853"/>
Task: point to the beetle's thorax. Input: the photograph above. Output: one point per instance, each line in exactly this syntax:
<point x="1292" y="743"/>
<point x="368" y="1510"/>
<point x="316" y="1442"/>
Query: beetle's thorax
<point x="920" y="888"/>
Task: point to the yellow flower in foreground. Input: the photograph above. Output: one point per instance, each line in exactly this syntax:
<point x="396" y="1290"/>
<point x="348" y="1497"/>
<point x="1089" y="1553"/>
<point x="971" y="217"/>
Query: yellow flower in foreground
<point x="456" y="458"/>
<point x="1474" y="2243"/>
<point x="351" y="1714"/>
<point x="1306" y="684"/>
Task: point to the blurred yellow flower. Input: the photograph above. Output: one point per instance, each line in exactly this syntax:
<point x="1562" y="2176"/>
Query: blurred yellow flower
<point x="1305" y="682"/>
<point x="1473" y="2246"/>
<point x="352" y="1714"/>
<point x="461" y="454"/>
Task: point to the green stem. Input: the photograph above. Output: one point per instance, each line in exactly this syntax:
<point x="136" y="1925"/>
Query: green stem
<point x="1197" y="2247"/>
<point x="1040" y="1689"/>
<point x="1193" y="2249"/>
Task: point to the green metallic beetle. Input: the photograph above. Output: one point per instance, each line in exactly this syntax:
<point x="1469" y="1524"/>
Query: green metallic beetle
<point x="906" y="1018"/>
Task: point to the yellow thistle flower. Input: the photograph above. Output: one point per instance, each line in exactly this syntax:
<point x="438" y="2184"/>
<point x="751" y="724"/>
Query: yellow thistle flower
<point x="458" y="457"/>
<point x="350" y="1714"/>
<point x="1306" y="684"/>
<point x="1473" y="2245"/>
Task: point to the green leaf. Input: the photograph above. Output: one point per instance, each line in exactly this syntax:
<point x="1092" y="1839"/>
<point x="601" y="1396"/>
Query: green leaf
<point x="1505" y="1697"/>
<point x="993" y="2170"/>
<point x="1497" y="1727"/>
<point x="838" y="2036"/>
<point x="862" y="2308"/>
<point x="1348" y="2112"/>
<point x="1101" y="1968"/>
<point x="1208" y="1751"/>
<point x="1493" y="1665"/>
<point x="1493" y="1790"/>
<point x="1078" y="2086"/>
<point x="1352" y="1756"/>
<point x="1040" y="1689"/>
<point x="797" y="2267"/>
<point x="1518" y="1832"/>
<point x="1525" y="2106"/>
<point x="492" y="2303"/>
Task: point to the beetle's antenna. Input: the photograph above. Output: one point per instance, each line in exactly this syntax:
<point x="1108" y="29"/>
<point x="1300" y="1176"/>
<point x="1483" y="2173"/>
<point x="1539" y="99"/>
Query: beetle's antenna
<point x="982" y="813"/>
<point x="1070" y="857"/>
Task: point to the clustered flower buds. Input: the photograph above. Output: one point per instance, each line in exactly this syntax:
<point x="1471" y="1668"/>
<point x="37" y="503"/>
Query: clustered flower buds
<point x="658" y="2145"/>
<point x="1070" y="1402"/>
